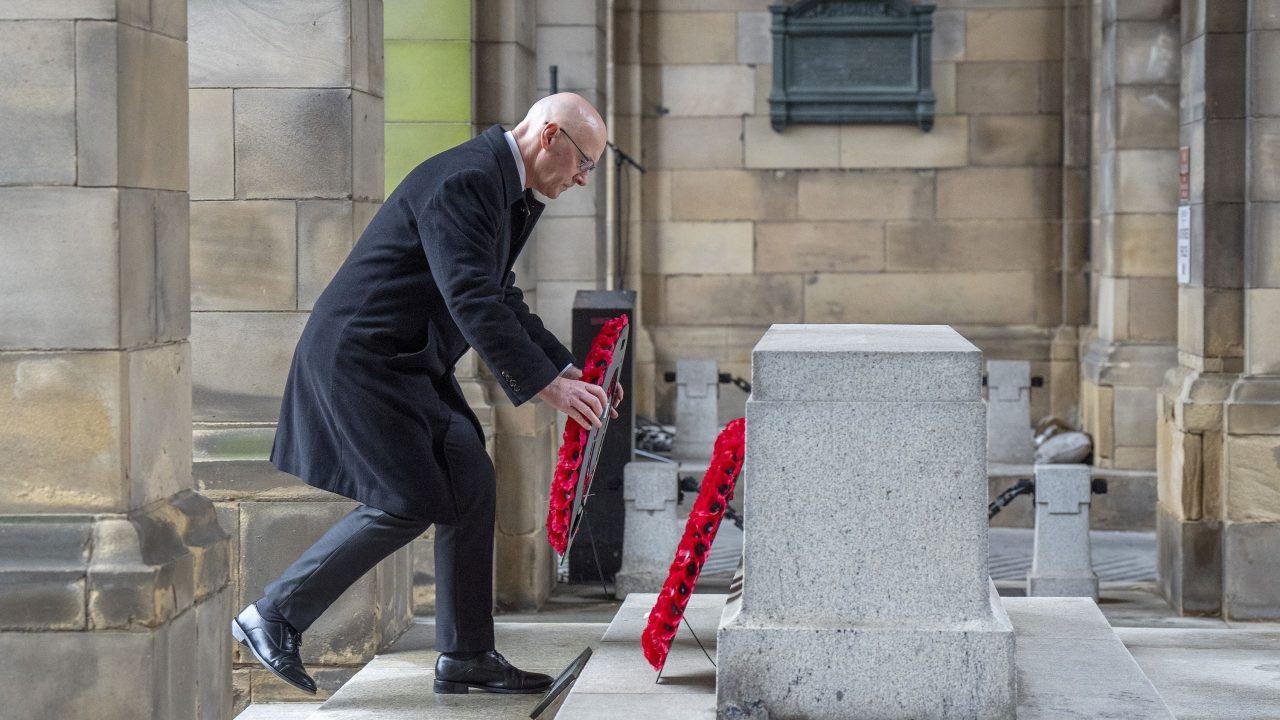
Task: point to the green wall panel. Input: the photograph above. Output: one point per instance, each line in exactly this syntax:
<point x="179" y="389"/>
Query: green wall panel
<point x="429" y="94"/>
<point x="410" y="143"/>
<point x="428" y="81"/>
<point x="426" y="19"/>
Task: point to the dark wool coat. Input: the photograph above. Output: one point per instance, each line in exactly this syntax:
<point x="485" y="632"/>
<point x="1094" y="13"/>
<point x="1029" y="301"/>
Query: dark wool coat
<point x="371" y="391"/>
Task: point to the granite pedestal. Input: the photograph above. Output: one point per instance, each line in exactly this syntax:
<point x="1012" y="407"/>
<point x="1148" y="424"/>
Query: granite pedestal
<point x="697" y="422"/>
<point x="1061" y="565"/>
<point x="866" y="591"/>
<point x="651" y="530"/>
<point x="1009" y="412"/>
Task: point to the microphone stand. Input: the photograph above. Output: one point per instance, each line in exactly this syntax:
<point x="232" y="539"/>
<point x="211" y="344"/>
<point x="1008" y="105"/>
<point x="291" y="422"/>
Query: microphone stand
<point x="619" y="158"/>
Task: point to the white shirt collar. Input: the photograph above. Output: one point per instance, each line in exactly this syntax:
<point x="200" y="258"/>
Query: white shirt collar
<point x="515" y="150"/>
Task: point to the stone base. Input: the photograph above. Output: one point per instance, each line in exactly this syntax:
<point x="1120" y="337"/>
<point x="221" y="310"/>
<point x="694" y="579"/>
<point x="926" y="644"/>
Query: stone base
<point x="178" y="671"/>
<point x="1251" y="564"/>
<point x="1189" y="558"/>
<point x="1062" y="586"/>
<point x="1070" y="664"/>
<point x="625" y="583"/>
<point x="116" y="616"/>
<point x="890" y="672"/>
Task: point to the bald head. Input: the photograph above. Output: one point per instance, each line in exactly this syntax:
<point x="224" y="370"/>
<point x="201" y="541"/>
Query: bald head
<point x="560" y="136"/>
<point x="571" y="111"/>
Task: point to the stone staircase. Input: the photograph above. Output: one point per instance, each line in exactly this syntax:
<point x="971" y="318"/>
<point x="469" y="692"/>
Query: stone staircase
<point x="1070" y="663"/>
<point x="397" y="685"/>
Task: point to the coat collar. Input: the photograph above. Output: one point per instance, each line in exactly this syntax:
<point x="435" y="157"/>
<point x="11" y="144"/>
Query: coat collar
<point x="511" y="190"/>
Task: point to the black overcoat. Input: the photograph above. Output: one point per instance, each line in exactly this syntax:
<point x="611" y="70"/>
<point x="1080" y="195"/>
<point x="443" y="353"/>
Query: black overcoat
<point x="371" y="390"/>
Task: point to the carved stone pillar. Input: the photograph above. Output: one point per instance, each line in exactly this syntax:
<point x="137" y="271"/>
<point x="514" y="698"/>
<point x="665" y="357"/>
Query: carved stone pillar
<point x="114" y="600"/>
<point x="1135" y="179"/>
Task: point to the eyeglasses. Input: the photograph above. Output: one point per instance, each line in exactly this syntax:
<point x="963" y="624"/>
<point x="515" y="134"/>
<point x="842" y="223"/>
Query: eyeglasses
<point x="586" y="164"/>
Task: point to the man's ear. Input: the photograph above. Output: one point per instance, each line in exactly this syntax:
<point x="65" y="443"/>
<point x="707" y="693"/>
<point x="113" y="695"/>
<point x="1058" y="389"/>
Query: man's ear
<point x="548" y="132"/>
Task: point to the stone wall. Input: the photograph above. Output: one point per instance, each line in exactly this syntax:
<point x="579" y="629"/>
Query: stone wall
<point x="516" y="41"/>
<point x="114" y="595"/>
<point x="1218" y="519"/>
<point x="744" y="226"/>
<point x="287" y="169"/>
<point x="1210" y="307"/>
<point x="1135" y="189"/>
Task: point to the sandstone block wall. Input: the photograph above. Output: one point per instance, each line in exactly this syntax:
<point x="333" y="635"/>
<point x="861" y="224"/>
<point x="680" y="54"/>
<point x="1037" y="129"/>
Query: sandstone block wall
<point x="742" y="226"/>
<point x="286" y="116"/>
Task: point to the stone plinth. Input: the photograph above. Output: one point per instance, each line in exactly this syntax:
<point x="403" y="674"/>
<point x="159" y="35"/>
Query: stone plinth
<point x="697" y="422"/>
<point x="866" y="591"/>
<point x="651" y="530"/>
<point x="1061" y="565"/>
<point x="1009" y="412"/>
<point x="114" y="595"/>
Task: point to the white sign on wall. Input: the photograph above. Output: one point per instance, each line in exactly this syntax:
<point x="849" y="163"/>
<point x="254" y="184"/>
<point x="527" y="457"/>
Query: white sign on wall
<point x="1184" y="244"/>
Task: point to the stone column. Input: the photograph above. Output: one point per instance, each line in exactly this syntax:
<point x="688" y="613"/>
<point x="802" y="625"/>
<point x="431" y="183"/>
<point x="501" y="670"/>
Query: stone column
<point x="624" y="111"/>
<point x="114" y="601"/>
<point x="1135" y="191"/>
<point x="523" y="440"/>
<point x="1210" y="307"/>
<point x="1250" y="489"/>
<point x="867" y="594"/>
<point x="1077" y="115"/>
<point x="570" y="240"/>
<point x="287" y="169"/>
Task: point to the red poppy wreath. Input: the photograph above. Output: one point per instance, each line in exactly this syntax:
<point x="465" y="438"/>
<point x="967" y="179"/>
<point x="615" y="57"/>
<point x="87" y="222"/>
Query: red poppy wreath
<point x="563" y="483"/>
<point x="699" y="532"/>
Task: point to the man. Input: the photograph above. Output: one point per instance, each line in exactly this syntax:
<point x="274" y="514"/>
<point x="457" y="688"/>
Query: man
<point x="372" y="410"/>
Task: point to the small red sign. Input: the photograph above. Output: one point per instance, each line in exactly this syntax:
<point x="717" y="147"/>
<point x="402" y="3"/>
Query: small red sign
<point x="1184" y="174"/>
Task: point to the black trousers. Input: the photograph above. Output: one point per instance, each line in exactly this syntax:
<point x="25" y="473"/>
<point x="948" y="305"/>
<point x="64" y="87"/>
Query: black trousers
<point x="366" y="535"/>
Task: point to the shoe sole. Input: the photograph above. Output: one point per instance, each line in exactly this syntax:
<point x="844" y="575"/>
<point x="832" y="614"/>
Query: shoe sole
<point x="238" y="633"/>
<point x="445" y="687"/>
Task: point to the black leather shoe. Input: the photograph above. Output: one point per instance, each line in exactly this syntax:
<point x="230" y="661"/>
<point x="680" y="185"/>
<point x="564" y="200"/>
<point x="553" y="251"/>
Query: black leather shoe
<point x="275" y="644"/>
<point x="488" y="671"/>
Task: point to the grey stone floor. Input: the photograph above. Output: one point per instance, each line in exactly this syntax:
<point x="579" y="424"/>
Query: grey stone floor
<point x="1117" y="556"/>
<point x="278" y="711"/>
<point x="1204" y="668"/>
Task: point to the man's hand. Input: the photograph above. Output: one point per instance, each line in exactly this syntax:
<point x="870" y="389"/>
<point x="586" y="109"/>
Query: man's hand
<point x="581" y="401"/>
<point x="584" y="402"/>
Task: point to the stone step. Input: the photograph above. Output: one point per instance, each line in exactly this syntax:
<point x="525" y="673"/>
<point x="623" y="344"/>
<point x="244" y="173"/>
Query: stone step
<point x="397" y="685"/>
<point x="278" y="711"/>
<point x="1070" y="664"/>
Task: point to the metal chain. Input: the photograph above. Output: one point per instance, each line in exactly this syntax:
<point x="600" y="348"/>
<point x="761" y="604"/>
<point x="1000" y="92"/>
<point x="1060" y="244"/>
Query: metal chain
<point x="1022" y="487"/>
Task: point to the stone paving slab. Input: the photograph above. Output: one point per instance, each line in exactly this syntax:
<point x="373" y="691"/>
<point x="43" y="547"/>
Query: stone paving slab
<point x="1070" y="665"/>
<point x="278" y="711"/>
<point x="1214" y="674"/>
<point x="397" y="685"/>
<point x="619" y="668"/>
<point x="675" y="706"/>
<point x="632" y="617"/>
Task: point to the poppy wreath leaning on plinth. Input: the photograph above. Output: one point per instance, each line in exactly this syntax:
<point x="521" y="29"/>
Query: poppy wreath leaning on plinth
<point x="699" y="532"/>
<point x="563" y="485"/>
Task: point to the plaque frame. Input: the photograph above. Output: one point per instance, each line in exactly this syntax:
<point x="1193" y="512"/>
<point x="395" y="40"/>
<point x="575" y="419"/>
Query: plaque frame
<point x="850" y="24"/>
